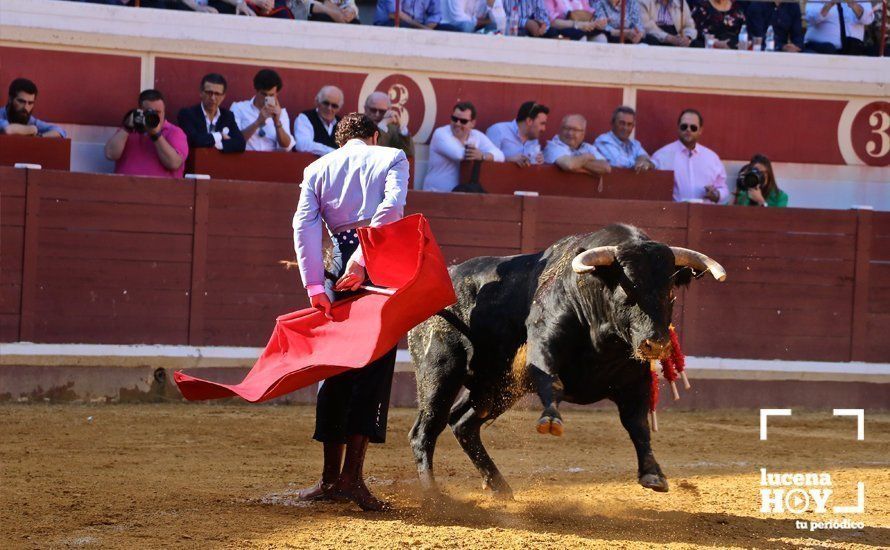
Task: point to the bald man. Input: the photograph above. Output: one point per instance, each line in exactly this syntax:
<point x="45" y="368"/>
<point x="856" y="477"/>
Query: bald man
<point x="569" y="152"/>
<point x="314" y="129"/>
<point x="393" y="130"/>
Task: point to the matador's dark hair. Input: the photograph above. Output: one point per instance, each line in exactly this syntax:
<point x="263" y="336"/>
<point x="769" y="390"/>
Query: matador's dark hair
<point x="352" y="126"/>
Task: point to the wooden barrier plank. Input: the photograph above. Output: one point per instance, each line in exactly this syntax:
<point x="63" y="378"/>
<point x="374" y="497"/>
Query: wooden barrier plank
<point x="142" y="329"/>
<point x="771" y="220"/>
<point x="114" y="245"/>
<point x="13" y="188"/>
<point x="859" y="338"/>
<point x="604" y="212"/>
<point x="549" y="233"/>
<point x="114" y="302"/>
<point x="450" y="231"/>
<point x="464" y="206"/>
<point x="197" y="293"/>
<point x="732" y="343"/>
<point x="740" y="242"/>
<point x="254" y="166"/>
<point x="50" y="153"/>
<point x="792" y="272"/>
<point x="777" y="321"/>
<point x="31" y="239"/>
<point x="457" y="254"/>
<point x="546" y="179"/>
<point x="79" y="275"/>
<point x="766" y="294"/>
<point x="117" y="189"/>
<point x="137" y="218"/>
<point x="878" y="348"/>
<point x="228" y="332"/>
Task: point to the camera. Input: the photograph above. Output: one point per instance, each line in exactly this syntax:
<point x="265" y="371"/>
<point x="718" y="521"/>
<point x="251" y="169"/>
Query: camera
<point x="144" y="119"/>
<point x="750" y="178"/>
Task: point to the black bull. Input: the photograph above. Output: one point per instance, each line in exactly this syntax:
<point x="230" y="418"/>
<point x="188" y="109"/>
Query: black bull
<point x="583" y="318"/>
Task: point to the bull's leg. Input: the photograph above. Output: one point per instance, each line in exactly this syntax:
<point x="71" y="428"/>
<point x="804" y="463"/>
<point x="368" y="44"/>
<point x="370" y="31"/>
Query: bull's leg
<point x="549" y="390"/>
<point x="437" y="387"/>
<point x="466" y="423"/>
<point x="633" y="409"/>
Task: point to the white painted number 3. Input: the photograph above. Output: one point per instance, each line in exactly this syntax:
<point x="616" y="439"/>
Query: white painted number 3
<point x="880" y="121"/>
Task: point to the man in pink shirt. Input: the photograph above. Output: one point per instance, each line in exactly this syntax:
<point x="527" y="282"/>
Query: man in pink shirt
<point x="699" y="174"/>
<point x="148" y="145"/>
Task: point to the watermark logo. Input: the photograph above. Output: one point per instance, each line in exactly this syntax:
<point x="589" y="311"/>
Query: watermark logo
<point x="808" y="492"/>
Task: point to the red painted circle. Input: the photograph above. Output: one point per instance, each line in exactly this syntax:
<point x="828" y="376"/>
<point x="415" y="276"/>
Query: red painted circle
<point x="870" y="134"/>
<point x="405" y="95"/>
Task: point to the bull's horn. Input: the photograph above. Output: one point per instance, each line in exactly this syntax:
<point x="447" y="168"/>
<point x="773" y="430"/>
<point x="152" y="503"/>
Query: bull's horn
<point x="697" y="260"/>
<point x="589" y="259"/>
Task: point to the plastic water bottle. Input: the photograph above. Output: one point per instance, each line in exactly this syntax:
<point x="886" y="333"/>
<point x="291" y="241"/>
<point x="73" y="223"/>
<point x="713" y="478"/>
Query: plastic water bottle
<point x="513" y="27"/>
<point x="770" y="39"/>
<point x="743" y="38"/>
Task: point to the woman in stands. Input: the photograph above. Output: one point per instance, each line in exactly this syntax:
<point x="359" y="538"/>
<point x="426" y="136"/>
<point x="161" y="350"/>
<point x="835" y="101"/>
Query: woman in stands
<point x="722" y="19"/>
<point x="765" y="194"/>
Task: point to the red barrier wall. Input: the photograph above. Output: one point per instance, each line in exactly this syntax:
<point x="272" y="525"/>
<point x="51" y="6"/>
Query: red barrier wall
<point x="114" y="259"/>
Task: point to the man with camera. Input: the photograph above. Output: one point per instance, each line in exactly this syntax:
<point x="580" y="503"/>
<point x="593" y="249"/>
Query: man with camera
<point x="147" y="144"/>
<point x="393" y="130"/>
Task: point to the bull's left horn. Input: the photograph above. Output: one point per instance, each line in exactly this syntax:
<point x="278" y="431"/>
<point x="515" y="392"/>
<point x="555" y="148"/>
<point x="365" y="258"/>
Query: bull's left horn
<point x="589" y="259"/>
<point x="697" y="260"/>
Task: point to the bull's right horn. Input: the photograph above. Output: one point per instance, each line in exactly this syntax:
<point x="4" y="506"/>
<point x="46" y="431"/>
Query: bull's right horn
<point x="697" y="260"/>
<point x="589" y="259"/>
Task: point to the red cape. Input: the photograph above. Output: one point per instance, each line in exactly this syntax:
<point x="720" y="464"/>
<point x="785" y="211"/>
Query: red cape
<point x="307" y="347"/>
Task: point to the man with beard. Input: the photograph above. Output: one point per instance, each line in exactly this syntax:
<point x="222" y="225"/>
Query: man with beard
<point x="17" y="118"/>
<point x="621" y="150"/>
<point x="518" y="139"/>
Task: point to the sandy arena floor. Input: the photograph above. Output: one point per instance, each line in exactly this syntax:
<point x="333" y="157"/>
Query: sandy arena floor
<point x="214" y="476"/>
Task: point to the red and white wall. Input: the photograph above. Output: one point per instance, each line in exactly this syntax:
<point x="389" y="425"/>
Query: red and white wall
<point x="824" y="120"/>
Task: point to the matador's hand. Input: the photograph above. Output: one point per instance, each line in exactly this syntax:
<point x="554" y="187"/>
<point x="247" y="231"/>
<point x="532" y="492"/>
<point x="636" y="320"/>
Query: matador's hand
<point x="352" y="278"/>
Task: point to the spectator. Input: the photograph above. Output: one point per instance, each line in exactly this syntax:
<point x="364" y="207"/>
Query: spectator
<point x="468" y="15"/>
<point x="873" y="33"/>
<point x="611" y="11"/>
<point x="330" y="11"/>
<point x="208" y="124"/>
<point x="417" y="14"/>
<point x="783" y="17"/>
<point x="573" y="19"/>
<point x="722" y="19"/>
<point x="393" y="130"/>
<point x="232" y="7"/>
<point x="261" y="119"/>
<point x="18" y="118"/>
<point x="148" y="144"/>
<point x="668" y="23"/>
<point x="518" y="139"/>
<point x="766" y="192"/>
<point x="698" y="172"/>
<point x="621" y="150"/>
<point x="824" y="31"/>
<point x="200" y="6"/>
<point x="315" y="128"/>
<point x="456" y="142"/>
<point x="533" y="17"/>
<point x="569" y="152"/>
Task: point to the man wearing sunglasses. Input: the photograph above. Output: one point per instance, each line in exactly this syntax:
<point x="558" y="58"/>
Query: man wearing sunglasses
<point x="209" y="124"/>
<point x="393" y="130"/>
<point x="315" y="128"/>
<point x="699" y="174"/>
<point x="454" y="143"/>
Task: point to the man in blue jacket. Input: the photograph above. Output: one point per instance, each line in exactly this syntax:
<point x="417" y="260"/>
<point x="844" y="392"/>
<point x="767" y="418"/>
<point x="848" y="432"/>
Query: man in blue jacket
<point x="208" y="124"/>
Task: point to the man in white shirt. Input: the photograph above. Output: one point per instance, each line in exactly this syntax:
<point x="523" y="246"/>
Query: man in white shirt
<point x="569" y="152"/>
<point x="699" y="174"/>
<point x="518" y="139"/>
<point x="454" y="143"/>
<point x="263" y="122"/>
<point x="824" y="31"/>
<point x="315" y="128"/>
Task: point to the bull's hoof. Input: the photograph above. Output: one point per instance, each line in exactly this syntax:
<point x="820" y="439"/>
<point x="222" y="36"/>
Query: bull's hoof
<point x="549" y="425"/>
<point x="500" y="489"/>
<point x="655" y="482"/>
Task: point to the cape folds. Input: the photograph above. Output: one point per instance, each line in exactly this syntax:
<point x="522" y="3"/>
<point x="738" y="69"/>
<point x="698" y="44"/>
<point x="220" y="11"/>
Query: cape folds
<point x="306" y="347"/>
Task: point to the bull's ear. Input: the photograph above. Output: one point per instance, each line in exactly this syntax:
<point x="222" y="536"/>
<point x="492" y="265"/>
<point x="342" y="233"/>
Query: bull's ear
<point x="683" y="276"/>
